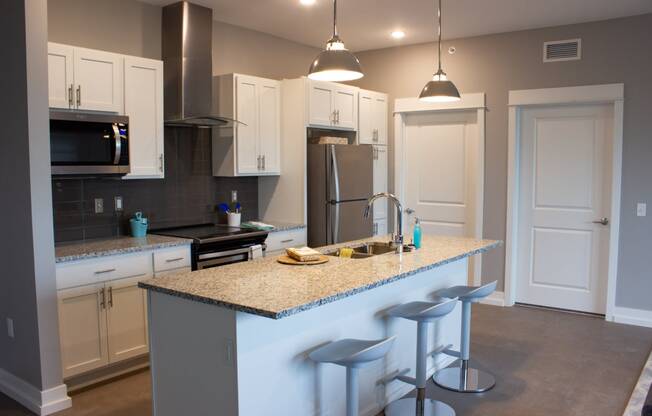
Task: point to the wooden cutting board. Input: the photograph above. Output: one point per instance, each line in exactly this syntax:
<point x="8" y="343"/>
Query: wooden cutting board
<point x="285" y="259"/>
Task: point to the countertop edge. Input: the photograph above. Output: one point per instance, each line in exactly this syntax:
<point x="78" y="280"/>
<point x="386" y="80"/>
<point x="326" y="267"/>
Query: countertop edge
<point x="119" y="251"/>
<point x="316" y="303"/>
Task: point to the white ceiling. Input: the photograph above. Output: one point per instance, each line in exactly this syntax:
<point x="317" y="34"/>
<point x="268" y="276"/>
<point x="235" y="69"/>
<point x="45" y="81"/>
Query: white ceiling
<point x="366" y="24"/>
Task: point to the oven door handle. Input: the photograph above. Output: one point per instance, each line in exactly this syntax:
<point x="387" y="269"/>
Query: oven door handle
<point x="118" y="144"/>
<point x="227" y="253"/>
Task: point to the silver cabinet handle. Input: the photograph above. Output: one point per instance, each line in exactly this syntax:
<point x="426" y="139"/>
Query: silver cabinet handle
<point x="70" y="100"/>
<point x="173" y="260"/>
<point x="104" y="271"/>
<point x="78" y="96"/>
<point x="287" y="241"/>
<point x="264" y="162"/>
<point x="258" y="162"/>
<point x="338" y="116"/>
<point x="102" y="299"/>
<point x="409" y="211"/>
<point x="160" y="162"/>
<point x="110" y="297"/>
<point x="333" y="117"/>
<point x="602" y="221"/>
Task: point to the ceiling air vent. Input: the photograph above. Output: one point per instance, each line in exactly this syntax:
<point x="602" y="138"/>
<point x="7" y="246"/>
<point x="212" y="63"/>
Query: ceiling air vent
<point x="562" y="50"/>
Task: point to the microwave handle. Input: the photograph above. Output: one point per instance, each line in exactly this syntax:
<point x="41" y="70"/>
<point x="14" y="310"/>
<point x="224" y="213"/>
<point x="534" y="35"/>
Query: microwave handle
<point x="118" y="144"/>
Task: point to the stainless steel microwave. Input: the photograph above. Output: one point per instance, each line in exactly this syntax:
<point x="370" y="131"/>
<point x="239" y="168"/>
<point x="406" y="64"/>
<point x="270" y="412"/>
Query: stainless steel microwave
<point x="89" y="143"/>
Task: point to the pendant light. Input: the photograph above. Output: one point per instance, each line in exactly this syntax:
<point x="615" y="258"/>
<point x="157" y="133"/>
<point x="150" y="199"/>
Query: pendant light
<point x="335" y="63"/>
<point x="439" y="89"/>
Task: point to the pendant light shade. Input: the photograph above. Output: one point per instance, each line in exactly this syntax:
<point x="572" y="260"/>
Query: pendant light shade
<point x="335" y="63"/>
<point x="439" y="89"/>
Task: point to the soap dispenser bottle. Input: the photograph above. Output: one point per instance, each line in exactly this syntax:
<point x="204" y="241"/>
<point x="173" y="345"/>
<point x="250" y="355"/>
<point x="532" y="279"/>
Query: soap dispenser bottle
<point x="416" y="236"/>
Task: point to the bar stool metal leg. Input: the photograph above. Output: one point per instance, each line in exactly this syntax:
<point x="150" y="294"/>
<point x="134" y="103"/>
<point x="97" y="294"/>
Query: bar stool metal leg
<point x="460" y="377"/>
<point x="352" y="393"/>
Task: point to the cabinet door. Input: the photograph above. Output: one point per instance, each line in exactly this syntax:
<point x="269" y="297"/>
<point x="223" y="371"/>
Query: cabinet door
<point x="98" y="80"/>
<point x="126" y="319"/>
<point x="82" y="329"/>
<point x="60" y="76"/>
<point x="380" y="180"/>
<point x="380" y="118"/>
<point x="321" y="97"/>
<point x="144" y="106"/>
<point x="247" y="154"/>
<point x="366" y="118"/>
<point x="346" y="107"/>
<point x="270" y="125"/>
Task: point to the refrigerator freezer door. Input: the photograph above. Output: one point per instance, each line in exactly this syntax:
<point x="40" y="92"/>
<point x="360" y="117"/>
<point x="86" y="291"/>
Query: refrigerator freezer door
<point x="355" y="171"/>
<point x="352" y="224"/>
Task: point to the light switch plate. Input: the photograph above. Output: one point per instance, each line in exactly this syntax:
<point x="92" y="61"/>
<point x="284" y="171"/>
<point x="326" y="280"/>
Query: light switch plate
<point x="99" y="205"/>
<point x="234" y="196"/>
<point x="118" y="203"/>
<point x="641" y="209"/>
<point x="10" y="328"/>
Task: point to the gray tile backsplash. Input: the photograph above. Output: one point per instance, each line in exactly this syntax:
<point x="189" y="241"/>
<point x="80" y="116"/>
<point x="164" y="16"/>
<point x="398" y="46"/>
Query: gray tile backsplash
<point x="187" y="195"/>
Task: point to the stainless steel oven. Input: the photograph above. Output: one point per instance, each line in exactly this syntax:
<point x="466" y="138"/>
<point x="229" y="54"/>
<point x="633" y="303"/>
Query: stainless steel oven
<point x="89" y="143"/>
<point x="220" y="258"/>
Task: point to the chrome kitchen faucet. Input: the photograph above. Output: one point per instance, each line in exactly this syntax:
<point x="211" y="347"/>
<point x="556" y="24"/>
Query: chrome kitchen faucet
<point x="398" y="236"/>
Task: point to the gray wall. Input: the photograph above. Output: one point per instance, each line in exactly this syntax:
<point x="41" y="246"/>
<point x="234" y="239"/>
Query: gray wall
<point x="27" y="286"/>
<point x="615" y="51"/>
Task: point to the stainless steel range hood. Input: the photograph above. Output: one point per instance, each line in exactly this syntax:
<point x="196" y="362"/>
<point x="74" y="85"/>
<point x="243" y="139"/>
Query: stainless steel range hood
<point x="187" y="43"/>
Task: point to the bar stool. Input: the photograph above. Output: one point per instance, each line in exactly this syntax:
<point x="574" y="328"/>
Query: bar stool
<point x="352" y="354"/>
<point x="460" y="377"/>
<point x="423" y="313"/>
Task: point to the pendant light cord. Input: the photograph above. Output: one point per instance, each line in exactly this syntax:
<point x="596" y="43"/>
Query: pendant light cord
<point x="335" y="18"/>
<point x="439" y="37"/>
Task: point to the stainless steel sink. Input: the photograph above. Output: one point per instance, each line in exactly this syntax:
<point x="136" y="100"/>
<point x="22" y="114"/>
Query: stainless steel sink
<point x="366" y="250"/>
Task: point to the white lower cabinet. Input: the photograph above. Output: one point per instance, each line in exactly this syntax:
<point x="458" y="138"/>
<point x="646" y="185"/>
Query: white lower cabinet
<point x="278" y="241"/>
<point x="103" y="312"/>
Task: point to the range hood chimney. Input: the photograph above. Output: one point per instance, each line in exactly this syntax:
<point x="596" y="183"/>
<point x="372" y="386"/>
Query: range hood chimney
<point x="187" y="43"/>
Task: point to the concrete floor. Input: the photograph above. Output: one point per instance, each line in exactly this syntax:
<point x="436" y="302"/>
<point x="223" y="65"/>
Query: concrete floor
<point x="545" y="362"/>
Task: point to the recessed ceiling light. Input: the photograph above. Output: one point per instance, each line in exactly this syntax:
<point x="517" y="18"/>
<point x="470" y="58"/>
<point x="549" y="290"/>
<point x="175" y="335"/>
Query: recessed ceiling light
<point x="307" y="2"/>
<point x="398" y="34"/>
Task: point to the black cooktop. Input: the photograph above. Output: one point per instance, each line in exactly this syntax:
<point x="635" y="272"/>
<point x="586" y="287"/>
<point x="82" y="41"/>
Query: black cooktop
<point x="208" y="233"/>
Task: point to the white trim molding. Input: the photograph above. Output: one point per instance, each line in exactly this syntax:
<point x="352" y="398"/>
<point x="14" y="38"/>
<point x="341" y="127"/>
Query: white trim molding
<point x="468" y="102"/>
<point x="495" y="299"/>
<point x="42" y="403"/>
<point x="592" y="94"/>
<point x="630" y="316"/>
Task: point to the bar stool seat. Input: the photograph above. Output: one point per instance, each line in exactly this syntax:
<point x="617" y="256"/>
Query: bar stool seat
<point x="460" y="377"/>
<point x="423" y="313"/>
<point x="352" y="354"/>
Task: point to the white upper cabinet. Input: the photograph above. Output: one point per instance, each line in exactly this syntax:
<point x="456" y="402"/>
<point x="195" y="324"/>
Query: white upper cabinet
<point x="60" y="76"/>
<point x="98" y="79"/>
<point x="252" y="148"/>
<point x="372" y="118"/>
<point x="332" y="105"/>
<point x="144" y="106"/>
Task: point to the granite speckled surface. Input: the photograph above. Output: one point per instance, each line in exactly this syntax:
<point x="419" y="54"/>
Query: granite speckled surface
<point x="82" y="250"/>
<point x="284" y="226"/>
<point x="267" y="288"/>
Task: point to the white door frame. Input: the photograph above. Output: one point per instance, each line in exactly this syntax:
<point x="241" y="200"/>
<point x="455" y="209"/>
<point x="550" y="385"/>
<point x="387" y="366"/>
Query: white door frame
<point x="612" y="94"/>
<point x="405" y="106"/>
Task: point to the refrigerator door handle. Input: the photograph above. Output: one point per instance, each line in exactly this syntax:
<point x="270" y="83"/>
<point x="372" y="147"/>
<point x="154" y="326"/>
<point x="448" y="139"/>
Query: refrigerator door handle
<point x="335" y="224"/>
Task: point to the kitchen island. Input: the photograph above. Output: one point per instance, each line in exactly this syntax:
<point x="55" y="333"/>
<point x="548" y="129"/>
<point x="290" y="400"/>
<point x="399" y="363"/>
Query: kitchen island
<point x="235" y="340"/>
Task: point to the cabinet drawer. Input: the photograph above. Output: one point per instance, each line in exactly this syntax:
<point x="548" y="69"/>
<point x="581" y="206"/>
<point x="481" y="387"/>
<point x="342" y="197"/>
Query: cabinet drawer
<point x="281" y="240"/>
<point x="98" y="270"/>
<point x="171" y="258"/>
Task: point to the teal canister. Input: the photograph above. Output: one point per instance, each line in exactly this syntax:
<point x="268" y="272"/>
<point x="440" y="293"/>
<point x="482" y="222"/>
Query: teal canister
<point x="416" y="237"/>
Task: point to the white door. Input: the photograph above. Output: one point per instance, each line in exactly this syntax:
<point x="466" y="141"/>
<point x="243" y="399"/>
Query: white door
<point x="564" y="188"/>
<point x="380" y="181"/>
<point x="320" y="96"/>
<point x="144" y="106"/>
<point x="99" y="80"/>
<point x="380" y="118"/>
<point x="60" y="76"/>
<point x="248" y="157"/>
<point x="82" y="329"/>
<point x="441" y="157"/>
<point x="346" y="107"/>
<point x="126" y="319"/>
<point x="270" y="128"/>
<point x="366" y="118"/>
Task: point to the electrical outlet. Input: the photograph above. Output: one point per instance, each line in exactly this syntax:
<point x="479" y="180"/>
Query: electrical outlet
<point x="99" y="205"/>
<point x="10" y="328"/>
<point x="118" y="203"/>
<point x="641" y="209"/>
<point x="234" y="196"/>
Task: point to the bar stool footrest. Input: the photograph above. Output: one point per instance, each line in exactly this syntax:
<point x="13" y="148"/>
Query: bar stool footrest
<point x="440" y="350"/>
<point x="394" y="375"/>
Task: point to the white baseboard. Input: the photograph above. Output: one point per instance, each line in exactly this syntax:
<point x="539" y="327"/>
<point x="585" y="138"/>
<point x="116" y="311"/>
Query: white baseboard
<point x="630" y="316"/>
<point x="40" y="402"/>
<point x="495" y="299"/>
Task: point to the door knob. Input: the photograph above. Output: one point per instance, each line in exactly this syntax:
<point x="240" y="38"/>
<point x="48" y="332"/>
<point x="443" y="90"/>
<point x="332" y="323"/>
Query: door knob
<point x="409" y="211"/>
<point x="603" y="221"/>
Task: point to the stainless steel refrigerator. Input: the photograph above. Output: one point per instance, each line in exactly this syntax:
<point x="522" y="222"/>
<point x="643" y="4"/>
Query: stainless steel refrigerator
<point x="340" y="180"/>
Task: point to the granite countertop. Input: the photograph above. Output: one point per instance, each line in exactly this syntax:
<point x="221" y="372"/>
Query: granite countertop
<point x="284" y="226"/>
<point x="267" y="288"/>
<point x="82" y="250"/>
